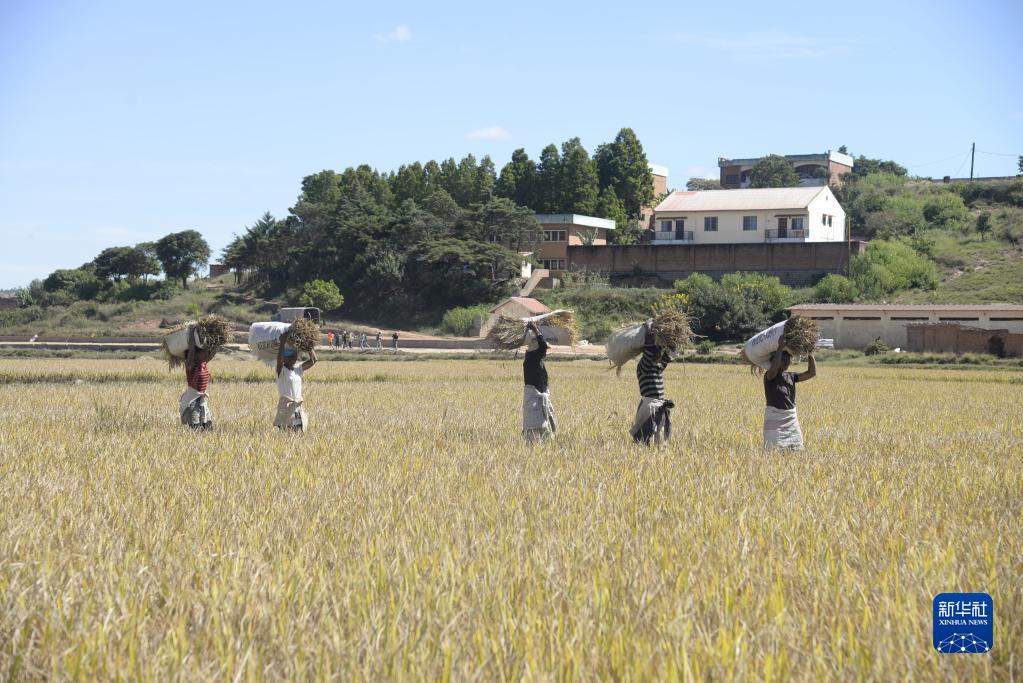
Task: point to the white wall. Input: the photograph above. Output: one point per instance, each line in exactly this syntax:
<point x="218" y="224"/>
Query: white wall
<point x="729" y="225"/>
<point x="825" y="204"/>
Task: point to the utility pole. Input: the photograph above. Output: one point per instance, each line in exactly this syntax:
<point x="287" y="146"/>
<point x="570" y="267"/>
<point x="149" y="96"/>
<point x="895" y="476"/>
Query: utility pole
<point x="973" y="149"/>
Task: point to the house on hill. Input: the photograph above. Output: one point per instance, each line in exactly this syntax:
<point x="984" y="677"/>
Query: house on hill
<point x="813" y="169"/>
<point x="785" y="214"/>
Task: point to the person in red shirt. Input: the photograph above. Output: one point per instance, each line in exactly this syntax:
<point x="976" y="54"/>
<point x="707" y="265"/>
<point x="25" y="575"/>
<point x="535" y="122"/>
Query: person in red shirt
<point x="194" y="402"/>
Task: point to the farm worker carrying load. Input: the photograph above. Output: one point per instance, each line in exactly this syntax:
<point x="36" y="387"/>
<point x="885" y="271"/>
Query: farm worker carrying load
<point x="302" y="335"/>
<point x="195" y="345"/>
<point x="654" y="341"/>
<point x="795" y="335"/>
<point x="538" y="421"/>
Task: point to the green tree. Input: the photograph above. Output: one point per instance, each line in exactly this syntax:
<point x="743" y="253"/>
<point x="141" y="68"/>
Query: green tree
<point x="773" y="171"/>
<point x="611" y="207"/>
<point x="548" y="181"/>
<point x="484" y="181"/>
<point x="181" y="254"/>
<point x="518" y="180"/>
<point x="622" y="165"/>
<point x="843" y="150"/>
<point x="111" y="262"/>
<point x="1019" y="165"/>
<point x="578" y="183"/>
<point x="66" y="284"/>
<point x="701" y="184"/>
<point x="322" y="294"/>
<point x="902" y="214"/>
<point x="863" y="167"/>
<point x="835" y="289"/>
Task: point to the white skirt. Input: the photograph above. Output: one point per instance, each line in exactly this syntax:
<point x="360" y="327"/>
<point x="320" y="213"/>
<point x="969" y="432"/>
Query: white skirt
<point x="537" y="414"/>
<point x="781" y="429"/>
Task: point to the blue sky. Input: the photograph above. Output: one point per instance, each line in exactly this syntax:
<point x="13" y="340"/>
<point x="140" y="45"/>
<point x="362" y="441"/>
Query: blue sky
<point x="123" y="121"/>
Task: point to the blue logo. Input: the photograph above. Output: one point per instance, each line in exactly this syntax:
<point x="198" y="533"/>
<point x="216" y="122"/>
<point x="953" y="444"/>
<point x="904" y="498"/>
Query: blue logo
<point x="963" y="623"/>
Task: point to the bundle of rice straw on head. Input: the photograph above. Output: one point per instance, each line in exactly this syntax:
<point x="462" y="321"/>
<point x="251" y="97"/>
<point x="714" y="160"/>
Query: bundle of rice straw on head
<point x="303" y="335"/>
<point x="801" y="335"/>
<point x="510" y="333"/>
<point x="671" y="329"/>
<point x="211" y="332"/>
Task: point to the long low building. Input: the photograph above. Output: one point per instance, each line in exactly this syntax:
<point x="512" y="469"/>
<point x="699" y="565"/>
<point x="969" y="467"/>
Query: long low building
<point x="853" y="326"/>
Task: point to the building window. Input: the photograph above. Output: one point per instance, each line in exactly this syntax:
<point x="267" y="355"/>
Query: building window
<point x="710" y="223"/>
<point x="951" y="318"/>
<point x="797" y="223"/>
<point x="829" y="220"/>
<point x="860" y="317"/>
<point x="553" y="263"/>
<point x="824" y="219"/>
<point x="749" y="222"/>
<point x="732" y="179"/>
<point x="555" y="235"/>
<point x="665" y="226"/>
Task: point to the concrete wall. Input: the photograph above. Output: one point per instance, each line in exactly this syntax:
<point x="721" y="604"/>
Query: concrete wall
<point x="954" y="338"/>
<point x="796" y="264"/>
<point x="854" y="329"/>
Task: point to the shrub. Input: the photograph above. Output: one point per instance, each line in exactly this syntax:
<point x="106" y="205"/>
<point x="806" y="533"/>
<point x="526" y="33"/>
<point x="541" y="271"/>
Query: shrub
<point x="946" y="210"/>
<point x="705" y="347"/>
<point x="835" y="289"/>
<point x="876" y="347"/>
<point x="720" y="313"/>
<point x="763" y="291"/>
<point x="458" y="321"/>
<point x="889" y="267"/>
<point x="322" y="294"/>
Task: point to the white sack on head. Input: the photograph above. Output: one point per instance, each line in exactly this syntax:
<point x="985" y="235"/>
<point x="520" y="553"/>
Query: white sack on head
<point x="625" y="344"/>
<point x="761" y="346"/>
<point x="176" y="342"/>
<point x="264" y="339"/>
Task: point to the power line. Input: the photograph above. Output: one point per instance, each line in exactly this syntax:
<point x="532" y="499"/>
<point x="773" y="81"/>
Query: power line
<point x="957" y="155"/>
<point x="999" y="154"/>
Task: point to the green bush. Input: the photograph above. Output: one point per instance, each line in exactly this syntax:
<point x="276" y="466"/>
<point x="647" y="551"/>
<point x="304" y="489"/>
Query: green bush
<point x="763" y="291"/>
<point x="704" y="347"/>
<point x="835" y="289"/>
<point x="886" y="268"/>
<point x="600" y="311"/>
<point x="323" y="294"/>
<point x="876" y="347"/>
<point x="458" y="321"/>
<point x="946" y="210"/>
<point x="720" y="313"/>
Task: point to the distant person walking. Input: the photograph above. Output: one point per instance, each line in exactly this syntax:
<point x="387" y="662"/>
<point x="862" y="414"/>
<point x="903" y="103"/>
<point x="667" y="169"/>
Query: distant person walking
<point x="394" y="341"/>
<point x="538" y="422"/>
<point x="344" y="339"/>
<point x="291" y="415"/>
<point x="362" y="341"/>
<point x="379" y="345"/>
<point x="653" y="416"/>
<point x="330" y="339"/>
<point x="194" y="405"/>
<point x="781" y="424"/>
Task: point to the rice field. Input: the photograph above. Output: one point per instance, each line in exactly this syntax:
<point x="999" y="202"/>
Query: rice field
<point x="411" y="534"/>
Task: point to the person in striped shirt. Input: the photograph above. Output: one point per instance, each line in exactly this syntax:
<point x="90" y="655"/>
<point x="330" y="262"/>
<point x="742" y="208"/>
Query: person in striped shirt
<point x="194" y="404"/>
<point x="653" y="416"/>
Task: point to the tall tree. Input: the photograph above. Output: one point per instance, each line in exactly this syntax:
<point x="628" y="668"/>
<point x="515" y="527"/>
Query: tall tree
<point x="623" y="165"/>
<point x="518" y="180"/>
<point x="579" y="188"/>
<point x="773" y="171"/>
<point x="410" y="182"/>
<point x="610" y="206"/>
<point x="548" y="181"/>
<point x="182" y="253"/>
<point x="484" y="180"/>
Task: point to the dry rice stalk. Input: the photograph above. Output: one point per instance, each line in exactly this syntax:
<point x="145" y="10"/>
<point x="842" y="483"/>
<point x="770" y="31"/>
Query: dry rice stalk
<point x="801" y="335"/>
<point x="671" y="329"/>
<point x="303" y="335"/>
<point x="214" y="332"/>
<point x="508" y="332"/>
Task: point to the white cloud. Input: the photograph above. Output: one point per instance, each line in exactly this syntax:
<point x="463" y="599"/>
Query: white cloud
<point x="760" y="45"/>
<point x="400" y="34"/>
<point x="489" y="133"/>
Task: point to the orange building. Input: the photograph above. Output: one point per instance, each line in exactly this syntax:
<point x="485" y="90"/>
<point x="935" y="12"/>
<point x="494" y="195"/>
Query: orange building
<point x="563" y="229"/>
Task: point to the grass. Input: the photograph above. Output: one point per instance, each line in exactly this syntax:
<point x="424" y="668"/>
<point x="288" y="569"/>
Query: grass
<point x="411" y="534"/>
